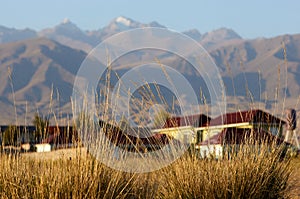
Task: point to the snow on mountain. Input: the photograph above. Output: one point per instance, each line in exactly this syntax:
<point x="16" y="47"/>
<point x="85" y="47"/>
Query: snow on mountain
<point x="66" y="20"/>
<point x="123" y="20"/>
<point x="120" y="24"/>
<point x="65" y="28"/>
<point x="69" y="34"/>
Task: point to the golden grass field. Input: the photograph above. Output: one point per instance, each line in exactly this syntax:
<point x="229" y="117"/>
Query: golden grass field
<point x="295" y="178"/>
<point x="73" y="173"/>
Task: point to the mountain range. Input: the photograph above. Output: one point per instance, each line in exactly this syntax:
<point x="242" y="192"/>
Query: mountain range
<point x="67" y="33"/>
<point x="38" y="68"/>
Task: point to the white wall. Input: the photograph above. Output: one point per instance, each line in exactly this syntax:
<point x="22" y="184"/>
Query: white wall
<point x="43" y="147"/>
<point x="206" y="151"/>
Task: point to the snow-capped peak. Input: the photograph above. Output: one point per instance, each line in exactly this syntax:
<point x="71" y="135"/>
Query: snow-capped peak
<point x="66" y="20"/>
<point x="123" y="20"/>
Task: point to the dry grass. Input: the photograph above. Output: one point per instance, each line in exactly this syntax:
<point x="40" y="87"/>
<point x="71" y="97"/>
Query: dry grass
<point x="78" y="175"/>
<point x="295" y="178"/>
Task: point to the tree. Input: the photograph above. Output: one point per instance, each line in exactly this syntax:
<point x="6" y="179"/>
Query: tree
<point x="41" y="125"/>
<point x="10" y="136"/>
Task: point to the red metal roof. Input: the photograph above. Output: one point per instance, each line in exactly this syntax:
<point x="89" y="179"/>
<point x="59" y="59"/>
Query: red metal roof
<point x="251" y="116"/>
<point x="127" y="140"/>
<point x="198" y="120"/>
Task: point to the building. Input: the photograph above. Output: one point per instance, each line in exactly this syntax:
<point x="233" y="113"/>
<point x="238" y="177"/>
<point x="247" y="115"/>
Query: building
<point x="249" y="119"/>
<point x="182" y="128"/>
<point x="237" y="128"/>
<point x="61" y="137"/>
<point x="42" y="147"/>
<point x="218" y="145"/>
<point x="25" y="133"/>
<point x="137" y="139"/>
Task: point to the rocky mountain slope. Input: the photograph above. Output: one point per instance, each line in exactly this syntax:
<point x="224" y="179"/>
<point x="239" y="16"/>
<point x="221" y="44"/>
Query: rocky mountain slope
<point x="37" y="69"/>
<point x="35" y="73"/>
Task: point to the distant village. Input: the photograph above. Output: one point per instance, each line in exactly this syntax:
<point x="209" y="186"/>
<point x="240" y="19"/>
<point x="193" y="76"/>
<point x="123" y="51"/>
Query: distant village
<point x="39" y="137"/>
<point x="206" y="135"/>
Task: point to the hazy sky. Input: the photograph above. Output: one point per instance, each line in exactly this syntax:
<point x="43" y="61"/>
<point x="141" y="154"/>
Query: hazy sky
<point x="250" y="19"/>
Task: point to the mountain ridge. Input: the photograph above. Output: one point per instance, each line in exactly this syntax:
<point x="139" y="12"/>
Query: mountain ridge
<point x="41" y="68"/>
<point x="68" y="33"/>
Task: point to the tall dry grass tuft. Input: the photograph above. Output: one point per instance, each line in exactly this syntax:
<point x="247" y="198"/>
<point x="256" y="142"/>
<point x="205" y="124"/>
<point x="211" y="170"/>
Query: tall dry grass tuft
<point x="252" y="172"/>
<point x="248" y="173"/>
<point x="79" y="177"/>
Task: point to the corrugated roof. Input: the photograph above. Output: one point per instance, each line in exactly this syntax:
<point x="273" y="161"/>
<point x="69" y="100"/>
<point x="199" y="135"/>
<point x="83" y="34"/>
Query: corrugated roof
<point x="198" y="120"/>
<point x="251" y="116"/>
<point x="125" y="139"/>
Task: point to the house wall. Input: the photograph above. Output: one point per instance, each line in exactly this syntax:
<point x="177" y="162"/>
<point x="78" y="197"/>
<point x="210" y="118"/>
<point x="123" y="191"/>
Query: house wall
<point x="208" y="151"/>
<point x="197" y="135"/>
<point x="184" y="135"/>
<point x="43" y="147"/>
<point x="25" y="147"/>
<point x="275" y="129"/>
<point x="206" y="133"/>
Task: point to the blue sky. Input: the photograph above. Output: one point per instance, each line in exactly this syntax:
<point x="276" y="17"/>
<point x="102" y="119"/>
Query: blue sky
<point x="250" y="19"/>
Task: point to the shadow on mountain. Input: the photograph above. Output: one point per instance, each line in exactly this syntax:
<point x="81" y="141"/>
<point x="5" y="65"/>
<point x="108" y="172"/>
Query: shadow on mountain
<point x="244" y="84"/>
<point x="67" y="57"/>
